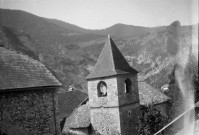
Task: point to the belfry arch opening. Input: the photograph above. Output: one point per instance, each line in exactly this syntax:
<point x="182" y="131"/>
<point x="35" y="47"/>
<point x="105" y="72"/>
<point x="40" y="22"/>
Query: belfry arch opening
<point x="128" y="86"/>
<point x="102" y="89"/>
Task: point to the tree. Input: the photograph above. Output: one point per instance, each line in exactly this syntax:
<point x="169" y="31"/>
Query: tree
<point x="151" y="121"/>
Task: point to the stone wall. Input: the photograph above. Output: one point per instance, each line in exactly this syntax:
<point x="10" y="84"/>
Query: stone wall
<point x="127" y="98"/>
<point x="129" y="106"/>
<point x="112" y="93"/>
<point x="106" y="121"/>
<point x="116" y="95"/>
<point x="129" y="119"/>
<point x="31" y="109"/>
<point x="118" y="112"/>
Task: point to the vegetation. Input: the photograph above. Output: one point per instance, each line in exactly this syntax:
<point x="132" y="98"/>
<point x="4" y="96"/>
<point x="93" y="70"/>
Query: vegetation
<point x="151" y="121"/>
<point x="70" y="51"/>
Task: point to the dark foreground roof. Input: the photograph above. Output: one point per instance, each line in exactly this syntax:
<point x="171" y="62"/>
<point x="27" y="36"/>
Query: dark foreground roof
<point x="149" y="95"/>
<point x="80" y="118"/>
<point x="19" y="71"/>
<point x="110" y="62"/>
<point x="68" y="101"/>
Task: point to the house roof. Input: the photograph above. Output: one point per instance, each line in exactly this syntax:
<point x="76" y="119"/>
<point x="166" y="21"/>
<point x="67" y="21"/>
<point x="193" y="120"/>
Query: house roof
<point x="149" y="95"/>
<point x="110" y="62"/>
<point x="80" y="118"/>
<point x="68" y="101"/>
<point x="19" y="71"/>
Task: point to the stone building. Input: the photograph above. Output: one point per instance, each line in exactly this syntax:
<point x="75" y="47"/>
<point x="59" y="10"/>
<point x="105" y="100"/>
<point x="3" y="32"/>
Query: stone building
<point x="113" y="93"/>
<point x="28" y="103"/>
<point x="114" y="102"/>
<point x="79" y="122"/>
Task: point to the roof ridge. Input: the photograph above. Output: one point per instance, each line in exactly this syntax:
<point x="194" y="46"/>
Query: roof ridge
<point x="98" y="60"/>
<point x="110" y="62"/>
<point x="109" y="40"/>
<point x="113" y="46"/>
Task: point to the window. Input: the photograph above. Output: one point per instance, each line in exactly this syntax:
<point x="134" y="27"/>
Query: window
<point x="128" y="86"/>
<point x="102" y="89"/>
<point x="129" y="113"/>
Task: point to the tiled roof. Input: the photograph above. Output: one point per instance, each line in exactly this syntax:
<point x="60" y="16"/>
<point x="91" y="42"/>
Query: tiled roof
<point x="80" y="118"/>
<point x="110" y="62"/>
<point x="20" y="71"/>
<point x="149" y="95"/>
<point x="68" y="101"/>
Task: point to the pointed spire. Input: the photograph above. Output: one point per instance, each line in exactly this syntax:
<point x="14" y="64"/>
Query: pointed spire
<point x="110" y="62"/>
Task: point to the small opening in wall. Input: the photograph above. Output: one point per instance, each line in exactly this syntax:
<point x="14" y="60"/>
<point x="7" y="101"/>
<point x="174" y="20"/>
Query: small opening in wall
<point x="102" y="89"/>
<point x="129" y="113"/>
<point x="128" y="86"/>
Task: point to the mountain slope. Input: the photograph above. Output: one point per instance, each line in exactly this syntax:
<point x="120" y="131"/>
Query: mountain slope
<point x="52" y="44"/>
<point x="68" y="26"/>
<point x="122" y="30"/>
<point x="118" y="30"/>
<point x="71" y="52"/>
<point x="18" y="41"/>
<point x="152" y="54"/>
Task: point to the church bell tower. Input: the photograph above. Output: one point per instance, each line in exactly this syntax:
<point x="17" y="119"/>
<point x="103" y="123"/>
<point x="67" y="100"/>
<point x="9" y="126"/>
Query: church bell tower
<point x="113" y="93"/>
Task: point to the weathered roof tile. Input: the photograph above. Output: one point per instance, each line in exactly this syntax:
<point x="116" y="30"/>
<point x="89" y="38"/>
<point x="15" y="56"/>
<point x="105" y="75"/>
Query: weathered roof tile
<point x="80" y="118"/>
<point x="20" y="71"/>
<point x="110" y="62"/>
<point x="149" y="95"/>
<point x="68" y="101"/>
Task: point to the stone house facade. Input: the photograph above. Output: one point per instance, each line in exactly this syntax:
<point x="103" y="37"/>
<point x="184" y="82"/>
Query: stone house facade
<point x="28" y="101"/>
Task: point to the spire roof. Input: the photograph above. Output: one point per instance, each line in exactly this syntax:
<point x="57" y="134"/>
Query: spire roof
<point x="110" y="62"/>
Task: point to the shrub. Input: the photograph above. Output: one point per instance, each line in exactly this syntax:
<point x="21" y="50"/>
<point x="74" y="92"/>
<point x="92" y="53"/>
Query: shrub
<point x="150" y="121"/>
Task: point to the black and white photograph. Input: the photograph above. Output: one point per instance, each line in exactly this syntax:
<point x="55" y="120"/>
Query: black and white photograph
<point x="99" y="67"/>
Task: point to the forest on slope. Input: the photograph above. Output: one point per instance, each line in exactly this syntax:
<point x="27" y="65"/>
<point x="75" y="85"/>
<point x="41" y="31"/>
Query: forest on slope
<point x="70" y="52"/>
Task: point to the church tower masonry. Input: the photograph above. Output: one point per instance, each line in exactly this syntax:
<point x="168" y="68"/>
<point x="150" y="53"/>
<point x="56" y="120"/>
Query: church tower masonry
<point x="113" y="93"/>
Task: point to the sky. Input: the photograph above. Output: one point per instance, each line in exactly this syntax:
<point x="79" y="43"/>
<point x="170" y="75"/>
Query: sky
<point x="99" y="14"/>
